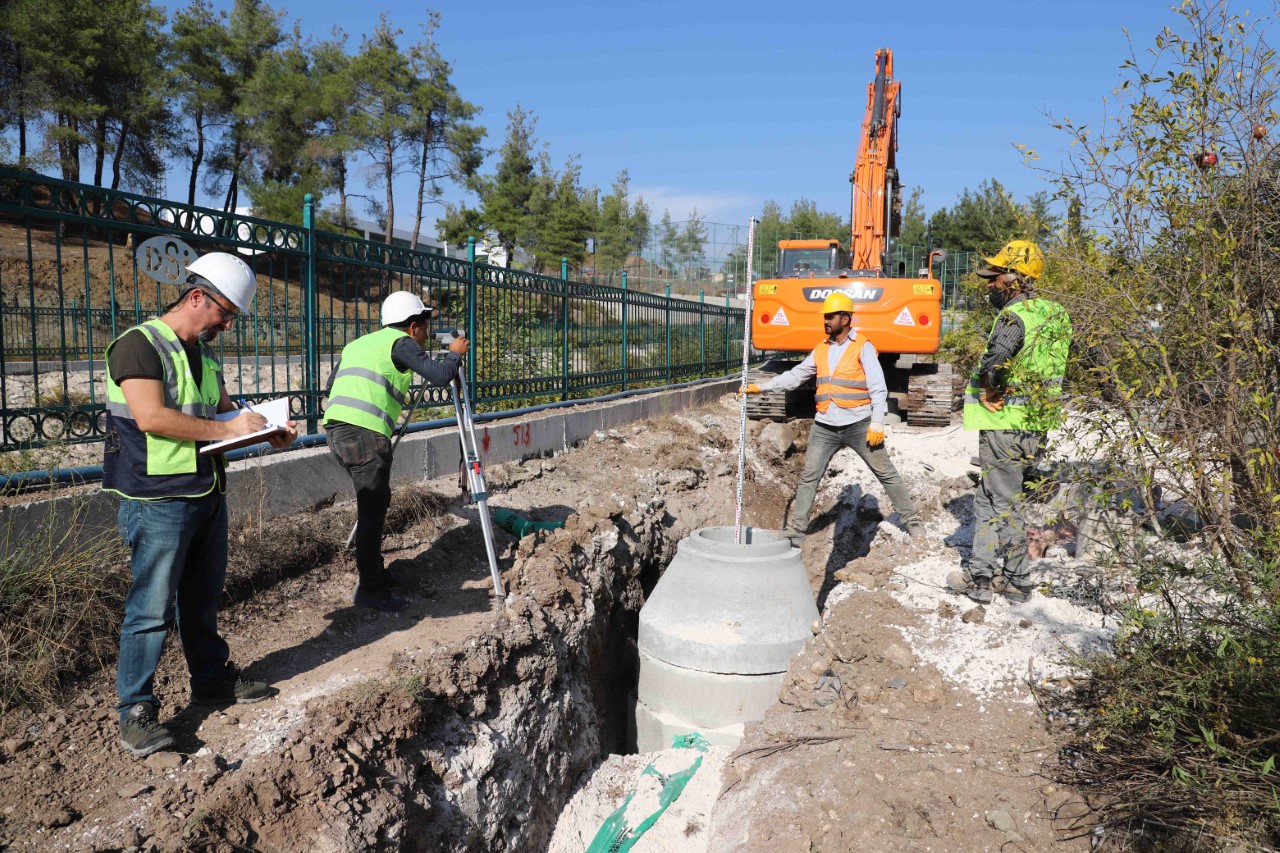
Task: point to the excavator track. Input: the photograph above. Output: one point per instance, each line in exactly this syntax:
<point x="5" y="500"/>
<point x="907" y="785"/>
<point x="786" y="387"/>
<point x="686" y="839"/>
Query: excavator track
<point x="778" y="405"/>
<point x="934" y="391"/>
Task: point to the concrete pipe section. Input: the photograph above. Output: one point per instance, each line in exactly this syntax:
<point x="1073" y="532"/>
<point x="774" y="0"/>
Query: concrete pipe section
<point x="717" y="635"/>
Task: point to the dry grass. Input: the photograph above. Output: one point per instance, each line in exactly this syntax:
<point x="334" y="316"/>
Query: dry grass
<point x="61" y="602"/>
<point x="62" y="597"/>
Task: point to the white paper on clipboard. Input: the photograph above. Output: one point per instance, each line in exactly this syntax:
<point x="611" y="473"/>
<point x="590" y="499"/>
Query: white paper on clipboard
<point x="275" y="411"/>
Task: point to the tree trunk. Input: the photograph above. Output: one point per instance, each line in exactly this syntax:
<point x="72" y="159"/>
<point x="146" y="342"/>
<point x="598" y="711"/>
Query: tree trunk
<point x="422" y="189"/>
<point x="22" y="111"/>
<point x="119" y="158"/>
<point x="341" y="170"/>
<point x="99" y="149"/>
<point x="388" y="174"/>
<point x="233" y="188"/>
<point x="68" y="150"/>
<point x="196" y="158"/>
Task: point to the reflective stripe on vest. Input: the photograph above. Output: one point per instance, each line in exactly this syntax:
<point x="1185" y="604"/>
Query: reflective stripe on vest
<point x="143" y="465"/>
<point x="847" y="375"/>
<point x="368" y="389"/>
<point x="1032" y="399"/>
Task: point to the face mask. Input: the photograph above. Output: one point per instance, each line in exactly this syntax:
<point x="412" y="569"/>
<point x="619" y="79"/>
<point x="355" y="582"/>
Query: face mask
<point x="998" y="298"/>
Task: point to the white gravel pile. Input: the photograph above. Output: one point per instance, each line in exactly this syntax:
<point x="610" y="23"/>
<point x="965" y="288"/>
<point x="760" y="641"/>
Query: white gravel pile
<point x="1014" y="642"/>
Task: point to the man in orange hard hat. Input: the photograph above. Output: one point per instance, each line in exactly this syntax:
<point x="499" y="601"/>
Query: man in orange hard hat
<point x="852" y="403"/>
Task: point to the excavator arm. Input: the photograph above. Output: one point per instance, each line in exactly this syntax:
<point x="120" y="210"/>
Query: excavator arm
<point x="875" y="193"/>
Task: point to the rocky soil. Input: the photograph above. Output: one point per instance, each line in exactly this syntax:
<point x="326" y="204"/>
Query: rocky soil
<point x="904" y="724"/>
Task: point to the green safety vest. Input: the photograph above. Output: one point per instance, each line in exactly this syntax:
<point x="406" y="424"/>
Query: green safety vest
<point x="1033" y="393"/>
<point x="369" y="390"/>
<point x="145" y="466"/>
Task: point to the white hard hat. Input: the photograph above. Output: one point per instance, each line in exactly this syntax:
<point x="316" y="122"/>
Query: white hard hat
<point x="402" y="305"/>
<point x="228" y="275"/>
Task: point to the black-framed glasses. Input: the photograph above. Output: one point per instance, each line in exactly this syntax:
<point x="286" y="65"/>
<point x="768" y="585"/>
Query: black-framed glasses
<point x="224" y="314"/>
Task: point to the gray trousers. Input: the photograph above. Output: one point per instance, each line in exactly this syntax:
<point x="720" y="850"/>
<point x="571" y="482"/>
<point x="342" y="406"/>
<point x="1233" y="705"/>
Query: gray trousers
<point x="1005" y="456"/>
<point x="824" y="441"/>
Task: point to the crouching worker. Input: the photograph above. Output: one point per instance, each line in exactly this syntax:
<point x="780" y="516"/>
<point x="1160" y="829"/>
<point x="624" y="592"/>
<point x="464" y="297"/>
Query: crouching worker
<point x="366" y="395"/>
<point x="852" y="403"/>
<point x="164" y="387"/>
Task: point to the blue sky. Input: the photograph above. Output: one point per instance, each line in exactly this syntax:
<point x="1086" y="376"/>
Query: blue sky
<point x="722" y="105"/>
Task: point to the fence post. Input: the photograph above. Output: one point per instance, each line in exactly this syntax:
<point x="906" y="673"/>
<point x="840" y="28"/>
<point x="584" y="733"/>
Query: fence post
<point x="311" y="374"/>
<point x="75" y="330"/>
<point x="668" y="294"/>
<point x="702" y="330"/>
<point x="471" y="314"/>
<point x="728" y="318"/>
<point x="564" y="327"/>
<point x="625" y="296"/>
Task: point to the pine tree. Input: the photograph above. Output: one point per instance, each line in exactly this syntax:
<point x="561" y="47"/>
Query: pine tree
<point x="563" y="232"/>
<point x="59" y="59"/>
<point x="200" y="81"/>
<point x="689" y="247"/>
<point x="384" y="83"/>
<point x="447" y="143"/>
<point x="614" y="233"/>
<point x="253" y="33"/>
<point x="508" y="197"/>
<point x="668" y="242"/>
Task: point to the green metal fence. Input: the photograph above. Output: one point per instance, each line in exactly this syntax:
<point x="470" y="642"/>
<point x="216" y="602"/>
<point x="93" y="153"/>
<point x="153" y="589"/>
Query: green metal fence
<point x="76" y="267"/>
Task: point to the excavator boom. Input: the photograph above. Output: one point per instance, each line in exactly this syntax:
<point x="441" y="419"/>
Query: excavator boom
<point x="875" y="176"/>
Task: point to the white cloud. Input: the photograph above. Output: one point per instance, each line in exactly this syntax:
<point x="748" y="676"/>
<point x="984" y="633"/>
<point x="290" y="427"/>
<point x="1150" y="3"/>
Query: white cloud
<point x="730" y="208"/>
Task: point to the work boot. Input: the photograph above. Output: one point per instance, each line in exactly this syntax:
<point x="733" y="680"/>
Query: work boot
<point x="795" y="537"/>
<point x="963" y="583"/>
<point x="980" y="591"/>
<point x="141" y="733"/>
<point x="1018" y="593"/>
<point x="383" y="600"/>
<point x="234" y="688"/>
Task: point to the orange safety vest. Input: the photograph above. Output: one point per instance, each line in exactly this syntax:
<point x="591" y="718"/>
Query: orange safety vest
<point x="847" y="386"/>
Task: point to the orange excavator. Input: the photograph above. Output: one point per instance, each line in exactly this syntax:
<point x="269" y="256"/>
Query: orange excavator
<point x="900" y="316"/>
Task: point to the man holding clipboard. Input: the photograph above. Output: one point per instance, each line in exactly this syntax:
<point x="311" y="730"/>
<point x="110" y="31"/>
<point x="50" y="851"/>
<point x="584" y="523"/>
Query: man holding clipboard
<point x="164" y="392"/>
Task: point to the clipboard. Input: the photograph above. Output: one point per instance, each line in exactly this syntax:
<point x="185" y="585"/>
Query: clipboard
<point x="275" y="411"/>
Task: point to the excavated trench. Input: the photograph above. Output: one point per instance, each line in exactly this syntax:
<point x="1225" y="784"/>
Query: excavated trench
<point x="480" y="747"/>
<point x="447" y="726"/>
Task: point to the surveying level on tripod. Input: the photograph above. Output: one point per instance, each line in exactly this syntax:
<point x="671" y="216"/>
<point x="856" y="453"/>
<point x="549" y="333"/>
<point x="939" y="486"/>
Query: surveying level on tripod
<point x="448" y="336"/>
<point x="474" y="474"/>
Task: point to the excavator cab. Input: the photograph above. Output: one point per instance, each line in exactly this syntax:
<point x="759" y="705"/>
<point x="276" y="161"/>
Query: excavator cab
<point x="811" y="258"/>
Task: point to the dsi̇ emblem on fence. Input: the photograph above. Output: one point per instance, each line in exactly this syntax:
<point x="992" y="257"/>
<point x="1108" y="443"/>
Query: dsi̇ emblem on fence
<point x="165" y="259"/>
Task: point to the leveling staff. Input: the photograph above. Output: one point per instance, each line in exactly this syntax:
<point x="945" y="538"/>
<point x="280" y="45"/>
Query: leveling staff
<point x="366" y="396"/>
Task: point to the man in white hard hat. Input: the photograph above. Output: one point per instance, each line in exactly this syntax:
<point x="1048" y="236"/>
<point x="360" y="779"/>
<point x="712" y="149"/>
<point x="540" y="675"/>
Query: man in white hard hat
<point x="164" y="387"/>
<point x="366" y="395"/>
